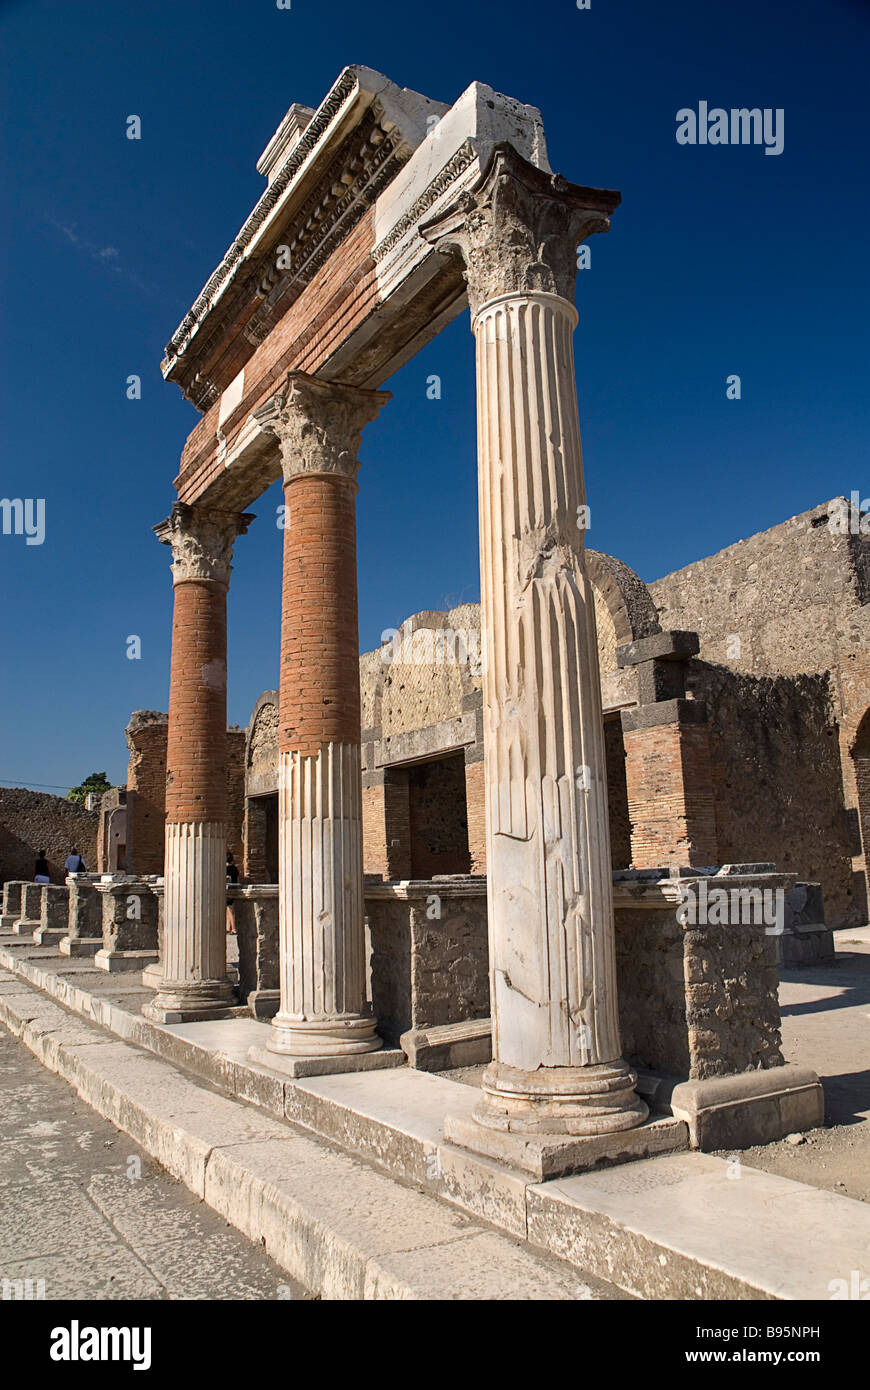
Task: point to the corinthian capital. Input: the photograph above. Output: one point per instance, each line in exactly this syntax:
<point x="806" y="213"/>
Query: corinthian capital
<point x="518" y="228"/>
<point x="319" y="424"/>
<point x="202" y="541"/>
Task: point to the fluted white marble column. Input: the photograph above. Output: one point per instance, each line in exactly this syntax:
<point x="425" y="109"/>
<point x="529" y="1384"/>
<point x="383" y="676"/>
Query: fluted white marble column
<point x="556" y="1065"/>
<point x="322" y="969"/>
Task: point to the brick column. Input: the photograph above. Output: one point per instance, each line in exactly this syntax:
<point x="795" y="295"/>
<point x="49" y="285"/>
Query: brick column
<point x="557" y="1094"/>
<point x="323" y="1010"/>
<point x="668" y="774"/>
<point x="194" y="983"/>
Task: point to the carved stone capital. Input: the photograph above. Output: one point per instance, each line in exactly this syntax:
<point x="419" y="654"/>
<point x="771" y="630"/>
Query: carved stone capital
<point x="319" y="424"/>
<point x="202" y="541"/>
<point x="517" y="230"/>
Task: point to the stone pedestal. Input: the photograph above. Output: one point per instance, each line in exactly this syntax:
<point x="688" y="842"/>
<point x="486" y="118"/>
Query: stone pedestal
<point x="557" y="1071"/>
<point x="12" y="892"/>
<point x="152" y="975"/>
<point x="194" y="983"/>
<point x="429" y="969"/>
<point x="84" y="935"/>
<point x="31" y="909"/>
<point x="324" y="1014"/>
<point x="256" y="914"/>
<point x="54" y="914"/>
<point x="129" y="926"/>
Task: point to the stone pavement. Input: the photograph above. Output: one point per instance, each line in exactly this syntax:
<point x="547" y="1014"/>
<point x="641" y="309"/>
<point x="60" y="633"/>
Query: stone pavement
<point x="826" y="1025"/>
<point x="89" y="1212"/>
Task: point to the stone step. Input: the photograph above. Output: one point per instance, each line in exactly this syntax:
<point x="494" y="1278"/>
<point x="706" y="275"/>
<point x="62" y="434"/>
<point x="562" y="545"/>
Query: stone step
<point x="712" y="1229"/>
<point x="343" y="1229"/>
<point x="626" y="1224"/>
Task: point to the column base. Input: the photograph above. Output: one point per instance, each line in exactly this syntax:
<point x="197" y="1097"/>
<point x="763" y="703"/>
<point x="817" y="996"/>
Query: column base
<point x="190" y="1001"/>
<point x="316" y="1047"/>
<point x="79" y="945"/>
<point x="49" y="936"/>
<point x="298" y="1067"/>
<point x="553" y="1155"/>
<point x="579" y="1101"/>
<point x="116" y="961"/>
<point x="152" y="976"/>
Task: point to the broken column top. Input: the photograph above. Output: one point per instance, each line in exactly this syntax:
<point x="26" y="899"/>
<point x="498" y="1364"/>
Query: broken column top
<point x="285" y="140"/>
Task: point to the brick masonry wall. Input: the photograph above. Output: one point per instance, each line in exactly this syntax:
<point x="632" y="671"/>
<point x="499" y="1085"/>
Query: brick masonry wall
<point x="236" y="739"/>
<point x="341" y="295"/>
<point x="30" y="821"/>
<point x="669" y="796"/>
<point x="786" y="602"/>
<point x="475" y="801"/>
<point x="438" y="820"/>
<point x="617" y="795"/>
<point x="374" y="831"/>
<point x="146" y="791"/>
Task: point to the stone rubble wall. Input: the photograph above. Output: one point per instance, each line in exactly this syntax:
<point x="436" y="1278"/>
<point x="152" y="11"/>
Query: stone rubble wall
<point x="30" y="821"/>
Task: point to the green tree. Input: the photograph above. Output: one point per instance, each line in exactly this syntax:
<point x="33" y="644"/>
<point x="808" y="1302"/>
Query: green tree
<point x="95" y="782"/>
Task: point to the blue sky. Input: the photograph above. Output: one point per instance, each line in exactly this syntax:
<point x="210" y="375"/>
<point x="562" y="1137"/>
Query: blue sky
<point x="720" y="260"/>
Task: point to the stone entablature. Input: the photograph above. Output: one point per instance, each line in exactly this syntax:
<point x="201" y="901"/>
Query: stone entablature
<point x="363" y="290"/>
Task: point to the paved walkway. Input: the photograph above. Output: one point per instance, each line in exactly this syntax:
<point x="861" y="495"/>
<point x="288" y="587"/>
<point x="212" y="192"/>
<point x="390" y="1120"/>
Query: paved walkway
<point x="88" y="1212"/>
<point x="826" y="1026"/>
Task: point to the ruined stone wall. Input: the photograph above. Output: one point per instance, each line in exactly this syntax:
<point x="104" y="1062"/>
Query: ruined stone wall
<point x="714" y="1009"/>
<point x="30" y="821"/>
<point x="787" y="602"/>
<point x="429" y="964"/>
<point x="146" y="791"/>
<point x="777" y="779"/>
<point x="780" y="602"/>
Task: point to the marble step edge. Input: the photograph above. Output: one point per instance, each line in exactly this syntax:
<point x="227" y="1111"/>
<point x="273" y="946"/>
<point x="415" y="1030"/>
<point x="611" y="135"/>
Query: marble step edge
<point x="396" y="1122"/>
<point x="638" y="1256"/>
<point x="269" y="1180"/>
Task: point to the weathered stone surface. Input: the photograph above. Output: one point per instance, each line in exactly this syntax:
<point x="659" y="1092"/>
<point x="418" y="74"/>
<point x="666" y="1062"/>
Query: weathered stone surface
<point x="714" y="1008"/>
<point x="429" y="953"/>
<point x="692" y="1226"/>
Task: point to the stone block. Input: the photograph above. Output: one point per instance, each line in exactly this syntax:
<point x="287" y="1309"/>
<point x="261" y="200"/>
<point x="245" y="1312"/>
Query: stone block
<point x="430" y="960"/>
<point x="661" y="646"/>
<point x="255" y="909"/>
<point x="453" y="1045"/>
<point x="552" y="1155"/>
<point x="129" y="924"/>
<point x="752" y="1107"/>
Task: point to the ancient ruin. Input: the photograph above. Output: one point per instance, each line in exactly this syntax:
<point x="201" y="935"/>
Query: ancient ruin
<point x="556" y="834"/>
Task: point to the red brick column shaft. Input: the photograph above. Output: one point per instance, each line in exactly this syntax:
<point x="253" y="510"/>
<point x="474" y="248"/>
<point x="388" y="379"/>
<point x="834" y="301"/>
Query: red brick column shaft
<point x="320" y="698"/>
<point x="194" y="980"/>
<point x="323" y="1010"/>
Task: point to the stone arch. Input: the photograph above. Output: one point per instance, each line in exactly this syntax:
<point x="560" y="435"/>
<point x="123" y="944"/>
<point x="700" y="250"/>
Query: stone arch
<point x="624" y="608"/>
<point x="435" y="662"/>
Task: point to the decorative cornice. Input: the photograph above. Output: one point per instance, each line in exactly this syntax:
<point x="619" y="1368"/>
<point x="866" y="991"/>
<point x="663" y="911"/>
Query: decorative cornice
<point x="518" y="228"/>
<point x="319" y="424"/>
<point x="332" y="103"/>
<point x="368" y="159"/>
<point x="202" y="541"/>
<point x="442" y="181"/>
